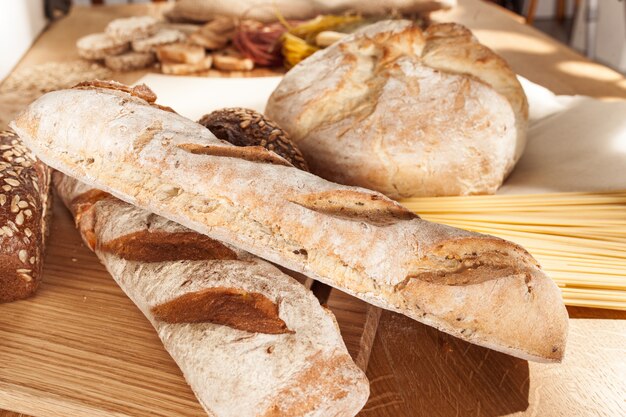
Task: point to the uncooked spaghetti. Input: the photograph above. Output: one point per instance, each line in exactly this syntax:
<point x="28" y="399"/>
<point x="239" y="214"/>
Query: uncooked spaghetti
<point x="299" y="40"/>
<point x="579" y="238"/>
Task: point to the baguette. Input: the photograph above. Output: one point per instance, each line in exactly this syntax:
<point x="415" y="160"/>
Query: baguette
<point x="482" y="289"/>
<point x="24" y="210"/>
<point x="250" y="340"/>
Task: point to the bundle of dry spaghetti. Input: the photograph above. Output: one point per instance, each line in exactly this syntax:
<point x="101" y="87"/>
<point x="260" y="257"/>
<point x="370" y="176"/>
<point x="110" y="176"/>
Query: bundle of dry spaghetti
<point x="579" y="238"/>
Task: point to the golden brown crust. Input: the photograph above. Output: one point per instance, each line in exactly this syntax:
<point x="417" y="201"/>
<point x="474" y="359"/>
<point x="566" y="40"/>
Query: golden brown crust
<point x="159" y="246"/>
<point x="83" y="202"/>
<point x="249" y="153"/>
<point x="293" y="402"/>
<point x="356" y="206"/>
<point x="248" y="311"/>
<point x="141" y="91"/>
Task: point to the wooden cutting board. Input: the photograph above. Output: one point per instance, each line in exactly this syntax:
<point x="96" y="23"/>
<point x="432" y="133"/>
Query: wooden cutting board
<point x="81" y="348"/>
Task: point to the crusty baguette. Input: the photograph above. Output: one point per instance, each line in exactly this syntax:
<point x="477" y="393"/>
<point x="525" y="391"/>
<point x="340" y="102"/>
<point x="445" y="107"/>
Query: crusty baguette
<point x="250" y="340"/>
<point x="480" y="288"/>
<point x="24" y="208"/>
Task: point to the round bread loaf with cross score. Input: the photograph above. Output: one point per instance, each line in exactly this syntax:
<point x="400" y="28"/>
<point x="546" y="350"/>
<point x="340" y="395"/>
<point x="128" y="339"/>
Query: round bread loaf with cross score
<point x="405" y="111"/>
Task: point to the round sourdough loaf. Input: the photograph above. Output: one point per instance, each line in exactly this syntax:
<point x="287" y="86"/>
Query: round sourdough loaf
<point x="406" y="111"/>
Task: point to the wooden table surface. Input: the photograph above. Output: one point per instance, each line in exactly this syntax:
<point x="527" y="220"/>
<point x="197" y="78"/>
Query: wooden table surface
<point x="415" y="370"/>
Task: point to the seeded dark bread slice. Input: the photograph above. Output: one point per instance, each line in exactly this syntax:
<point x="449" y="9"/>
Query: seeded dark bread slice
<point x="250" y="340"/>
<point x="24" y="208"/>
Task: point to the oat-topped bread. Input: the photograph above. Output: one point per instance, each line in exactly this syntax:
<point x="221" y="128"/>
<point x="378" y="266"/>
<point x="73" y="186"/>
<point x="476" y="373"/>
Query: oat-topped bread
<point x="477" y="287"/>
<point x="24" y="208"/>
<point x="406" y="111"/>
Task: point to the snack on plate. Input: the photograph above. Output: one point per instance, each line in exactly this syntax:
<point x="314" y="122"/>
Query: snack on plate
<point x="162" y="37"/>
<point x="99" y="46"/>
<point x="186" y="28"/>
<point x="183" y="53"/>
<point x="176" y="68"/>
<point x="226" y="61"/>
<point x="129" y="61"/>
<point x="220" y="25"/>
<point x="406" y="112"/>
<point x="130" y="28"/>
<point x="24" y="209"/>
<point x="250" y="340"/>
<point x="482" y="289"/>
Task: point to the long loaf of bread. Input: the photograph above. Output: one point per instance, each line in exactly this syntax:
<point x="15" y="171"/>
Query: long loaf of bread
<point x="250" y="340"/>
<point x="480" y="288"/>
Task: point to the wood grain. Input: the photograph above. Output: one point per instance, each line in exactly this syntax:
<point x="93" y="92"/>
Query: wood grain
<point x="81" y="348"/>
<point x="443" y="376"/>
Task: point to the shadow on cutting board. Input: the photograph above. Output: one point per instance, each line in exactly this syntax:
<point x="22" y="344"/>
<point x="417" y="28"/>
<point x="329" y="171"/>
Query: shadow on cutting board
<point x="416" y="370"/>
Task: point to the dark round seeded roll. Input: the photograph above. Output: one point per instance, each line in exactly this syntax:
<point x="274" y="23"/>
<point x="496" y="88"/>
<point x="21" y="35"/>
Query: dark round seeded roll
<point x="245" y="127"/>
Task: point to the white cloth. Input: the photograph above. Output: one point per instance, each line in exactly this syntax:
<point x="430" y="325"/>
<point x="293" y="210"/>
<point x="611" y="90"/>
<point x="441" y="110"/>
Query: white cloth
<point x="575" y="143"/>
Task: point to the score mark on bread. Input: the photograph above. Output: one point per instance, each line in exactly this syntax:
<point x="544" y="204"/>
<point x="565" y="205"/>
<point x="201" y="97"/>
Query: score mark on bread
<point x="248" y="311"/>
<point x="159" y="246"/>
<point x="356" y="206"/>
<point x="249" y="153"/>
<point x="246" y="127"/>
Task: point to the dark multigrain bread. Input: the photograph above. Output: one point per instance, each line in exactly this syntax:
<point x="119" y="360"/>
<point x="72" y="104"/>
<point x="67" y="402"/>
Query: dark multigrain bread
<point x="24" y="202"/>
<point x="245" y="127"/>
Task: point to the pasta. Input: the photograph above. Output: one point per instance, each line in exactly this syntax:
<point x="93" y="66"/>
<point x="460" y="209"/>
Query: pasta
<point x="579" y="238"/>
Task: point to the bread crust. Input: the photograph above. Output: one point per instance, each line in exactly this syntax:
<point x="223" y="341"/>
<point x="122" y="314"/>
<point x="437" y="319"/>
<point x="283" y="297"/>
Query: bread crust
<point x="234" y="370"/>
<point x="406" y="111"/>
<point x="125" y="146"/>
<point x="24" y="212"/>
